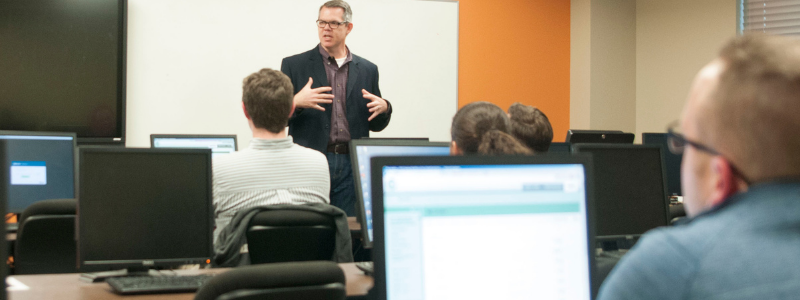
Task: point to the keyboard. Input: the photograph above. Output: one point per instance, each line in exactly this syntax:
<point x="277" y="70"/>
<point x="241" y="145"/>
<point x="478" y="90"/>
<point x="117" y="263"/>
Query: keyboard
<point x="157" y="284"/>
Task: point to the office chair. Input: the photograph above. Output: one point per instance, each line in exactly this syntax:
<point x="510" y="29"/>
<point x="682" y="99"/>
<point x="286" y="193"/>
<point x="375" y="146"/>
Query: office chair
<point x="287" y="235"/>
<point x="322" y="280"/>
<point x="46" y="238"/>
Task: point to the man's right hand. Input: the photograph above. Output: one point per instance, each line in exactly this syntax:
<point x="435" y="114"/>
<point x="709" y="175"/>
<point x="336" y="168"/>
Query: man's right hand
<point x="312" y="98"/>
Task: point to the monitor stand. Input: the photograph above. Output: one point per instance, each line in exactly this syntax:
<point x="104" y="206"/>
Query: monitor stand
<point x="102" y="276"/>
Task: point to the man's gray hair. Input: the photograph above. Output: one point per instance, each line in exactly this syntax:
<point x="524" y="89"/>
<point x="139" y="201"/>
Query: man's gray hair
<point x="348" y="13"/>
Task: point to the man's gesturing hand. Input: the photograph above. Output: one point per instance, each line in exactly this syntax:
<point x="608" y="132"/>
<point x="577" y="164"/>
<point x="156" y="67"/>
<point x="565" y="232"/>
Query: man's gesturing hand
<point x="312" y="98"/>
<point x="376" y="104"/>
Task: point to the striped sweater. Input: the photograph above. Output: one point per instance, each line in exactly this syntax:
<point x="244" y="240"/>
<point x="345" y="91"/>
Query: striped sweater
<point x="269" y="171"/>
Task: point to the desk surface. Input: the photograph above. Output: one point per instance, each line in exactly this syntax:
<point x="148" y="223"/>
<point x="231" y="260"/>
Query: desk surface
<point x="68" y="286"/>
<point x="353" y="223"/>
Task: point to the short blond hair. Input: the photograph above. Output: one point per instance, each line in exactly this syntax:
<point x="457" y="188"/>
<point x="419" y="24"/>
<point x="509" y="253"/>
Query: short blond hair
<point x="754" y="113"/>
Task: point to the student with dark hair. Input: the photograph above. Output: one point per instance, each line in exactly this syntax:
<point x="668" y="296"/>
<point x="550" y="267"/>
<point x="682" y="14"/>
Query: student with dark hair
<point x="482" y="128"/>
<point x="531" y="127"/>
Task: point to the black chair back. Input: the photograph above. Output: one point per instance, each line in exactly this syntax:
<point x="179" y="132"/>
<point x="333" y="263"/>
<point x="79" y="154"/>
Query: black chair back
<point x="290" y="235"/>
<point x="326" y="291"/>
<point x="46" y="238"/>
<point x="322" y="280"/>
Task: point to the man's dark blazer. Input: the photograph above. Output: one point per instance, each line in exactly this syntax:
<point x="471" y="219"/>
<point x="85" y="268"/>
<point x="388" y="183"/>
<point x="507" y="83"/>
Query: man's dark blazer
<point x="310" y="127"/>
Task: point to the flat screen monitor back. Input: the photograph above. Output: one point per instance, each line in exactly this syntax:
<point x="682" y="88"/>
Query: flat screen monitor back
<point x="218" y="143"/>
<point x="41" y="166"/>
<point x="630" y="196"/>
<point x="599" y="136"/>
<point x="672" y="161"/>
<point x="143" y="208"/>
<point x="3" y="200"/>
<point x="361" y="151"/>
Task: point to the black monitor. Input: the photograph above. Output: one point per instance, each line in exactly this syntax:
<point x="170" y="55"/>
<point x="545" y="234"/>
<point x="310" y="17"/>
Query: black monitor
<point x="62" y="68"/>
<point x="40" y="166"/>
<point x="144" y="208"/>
<point x="443" y="223"/>
<point x="560" y="148"/>
<point x="219" y="144"/>
<point x="599" y="136"/>
<point x="361" y="151"/>
<point x="672" y="161"/>
<point x="3" y="200"/>
<point x="630" y="193"/>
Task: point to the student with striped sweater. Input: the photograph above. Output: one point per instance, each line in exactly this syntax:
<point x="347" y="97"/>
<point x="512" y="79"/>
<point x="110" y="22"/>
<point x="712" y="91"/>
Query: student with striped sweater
<point x="273" y="169"/>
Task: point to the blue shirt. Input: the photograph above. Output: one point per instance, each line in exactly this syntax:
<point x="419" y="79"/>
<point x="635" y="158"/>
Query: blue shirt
<point x="749" y="248"/>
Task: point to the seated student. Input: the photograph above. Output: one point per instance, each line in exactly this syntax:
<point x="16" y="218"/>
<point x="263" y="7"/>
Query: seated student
<point x="482" y="128"/>
<point x="531" y="127"/>
<point x="273" y="169"/>
<point x="741" y="185"/>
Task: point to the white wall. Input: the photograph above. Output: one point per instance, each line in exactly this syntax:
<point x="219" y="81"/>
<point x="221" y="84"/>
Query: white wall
<point x="602" y="66"/>
<point x="187" y="59"/>
<point x="674" y="39"/>
<point x="613" y="71"/>
<point x="580" y="64"/>
<point x="632" y="60"/>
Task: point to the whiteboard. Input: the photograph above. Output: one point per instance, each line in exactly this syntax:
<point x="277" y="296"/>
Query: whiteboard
<point x="186" y="60"/>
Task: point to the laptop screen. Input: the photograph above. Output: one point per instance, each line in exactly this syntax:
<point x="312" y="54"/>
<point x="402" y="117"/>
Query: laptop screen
<point x="486" y="230"/>
<point x="364" y="152"/>
<point x="218" y="144"/>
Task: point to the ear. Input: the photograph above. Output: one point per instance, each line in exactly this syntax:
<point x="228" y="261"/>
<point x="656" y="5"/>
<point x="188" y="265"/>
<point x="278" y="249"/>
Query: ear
<point x="291" y="111"/>
<point x="726" y="184"/>
<point x="454" y="149"/>
<point x="349" y="27"/>
<point x="245" y="111"/>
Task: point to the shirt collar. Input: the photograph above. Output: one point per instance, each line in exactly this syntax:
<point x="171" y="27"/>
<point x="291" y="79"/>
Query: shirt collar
<point x="271" y="144"/>
<point x="756" y="189"/>
<point x="327" y="56"/>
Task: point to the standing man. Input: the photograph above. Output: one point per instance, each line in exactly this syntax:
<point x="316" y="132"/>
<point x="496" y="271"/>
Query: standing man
<point x="337" y="99"/>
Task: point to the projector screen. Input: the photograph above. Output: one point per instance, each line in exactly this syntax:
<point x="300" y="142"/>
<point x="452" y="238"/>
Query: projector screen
<point x="187" y="59"/>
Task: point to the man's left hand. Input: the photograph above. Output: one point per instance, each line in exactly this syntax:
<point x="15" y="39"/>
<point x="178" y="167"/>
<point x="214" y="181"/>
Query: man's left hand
<point x="376" y="104"/>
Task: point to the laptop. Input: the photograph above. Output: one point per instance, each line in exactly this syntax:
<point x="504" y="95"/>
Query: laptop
<point x="482" y="227"/>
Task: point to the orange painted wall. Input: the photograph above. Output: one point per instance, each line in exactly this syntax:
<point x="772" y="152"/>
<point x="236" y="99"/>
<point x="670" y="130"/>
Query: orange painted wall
<point x="516" y="51"/>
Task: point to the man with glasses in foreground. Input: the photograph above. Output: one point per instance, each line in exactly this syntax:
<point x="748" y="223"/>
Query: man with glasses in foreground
<point x="740" y="138"/>
<point x="337" y="99"/>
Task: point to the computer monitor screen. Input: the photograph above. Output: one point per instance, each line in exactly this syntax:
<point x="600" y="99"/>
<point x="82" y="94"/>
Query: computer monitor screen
<point x="144" y="207"/>
<point x="40" y="166"/>
<point x="219" y="144"/>
<point x="630" y="196"/>
<point x="672" y="161"/>
<point x="480" y="227"/>
<point x="599" y="136"/>
<point x="360" y="154"/>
